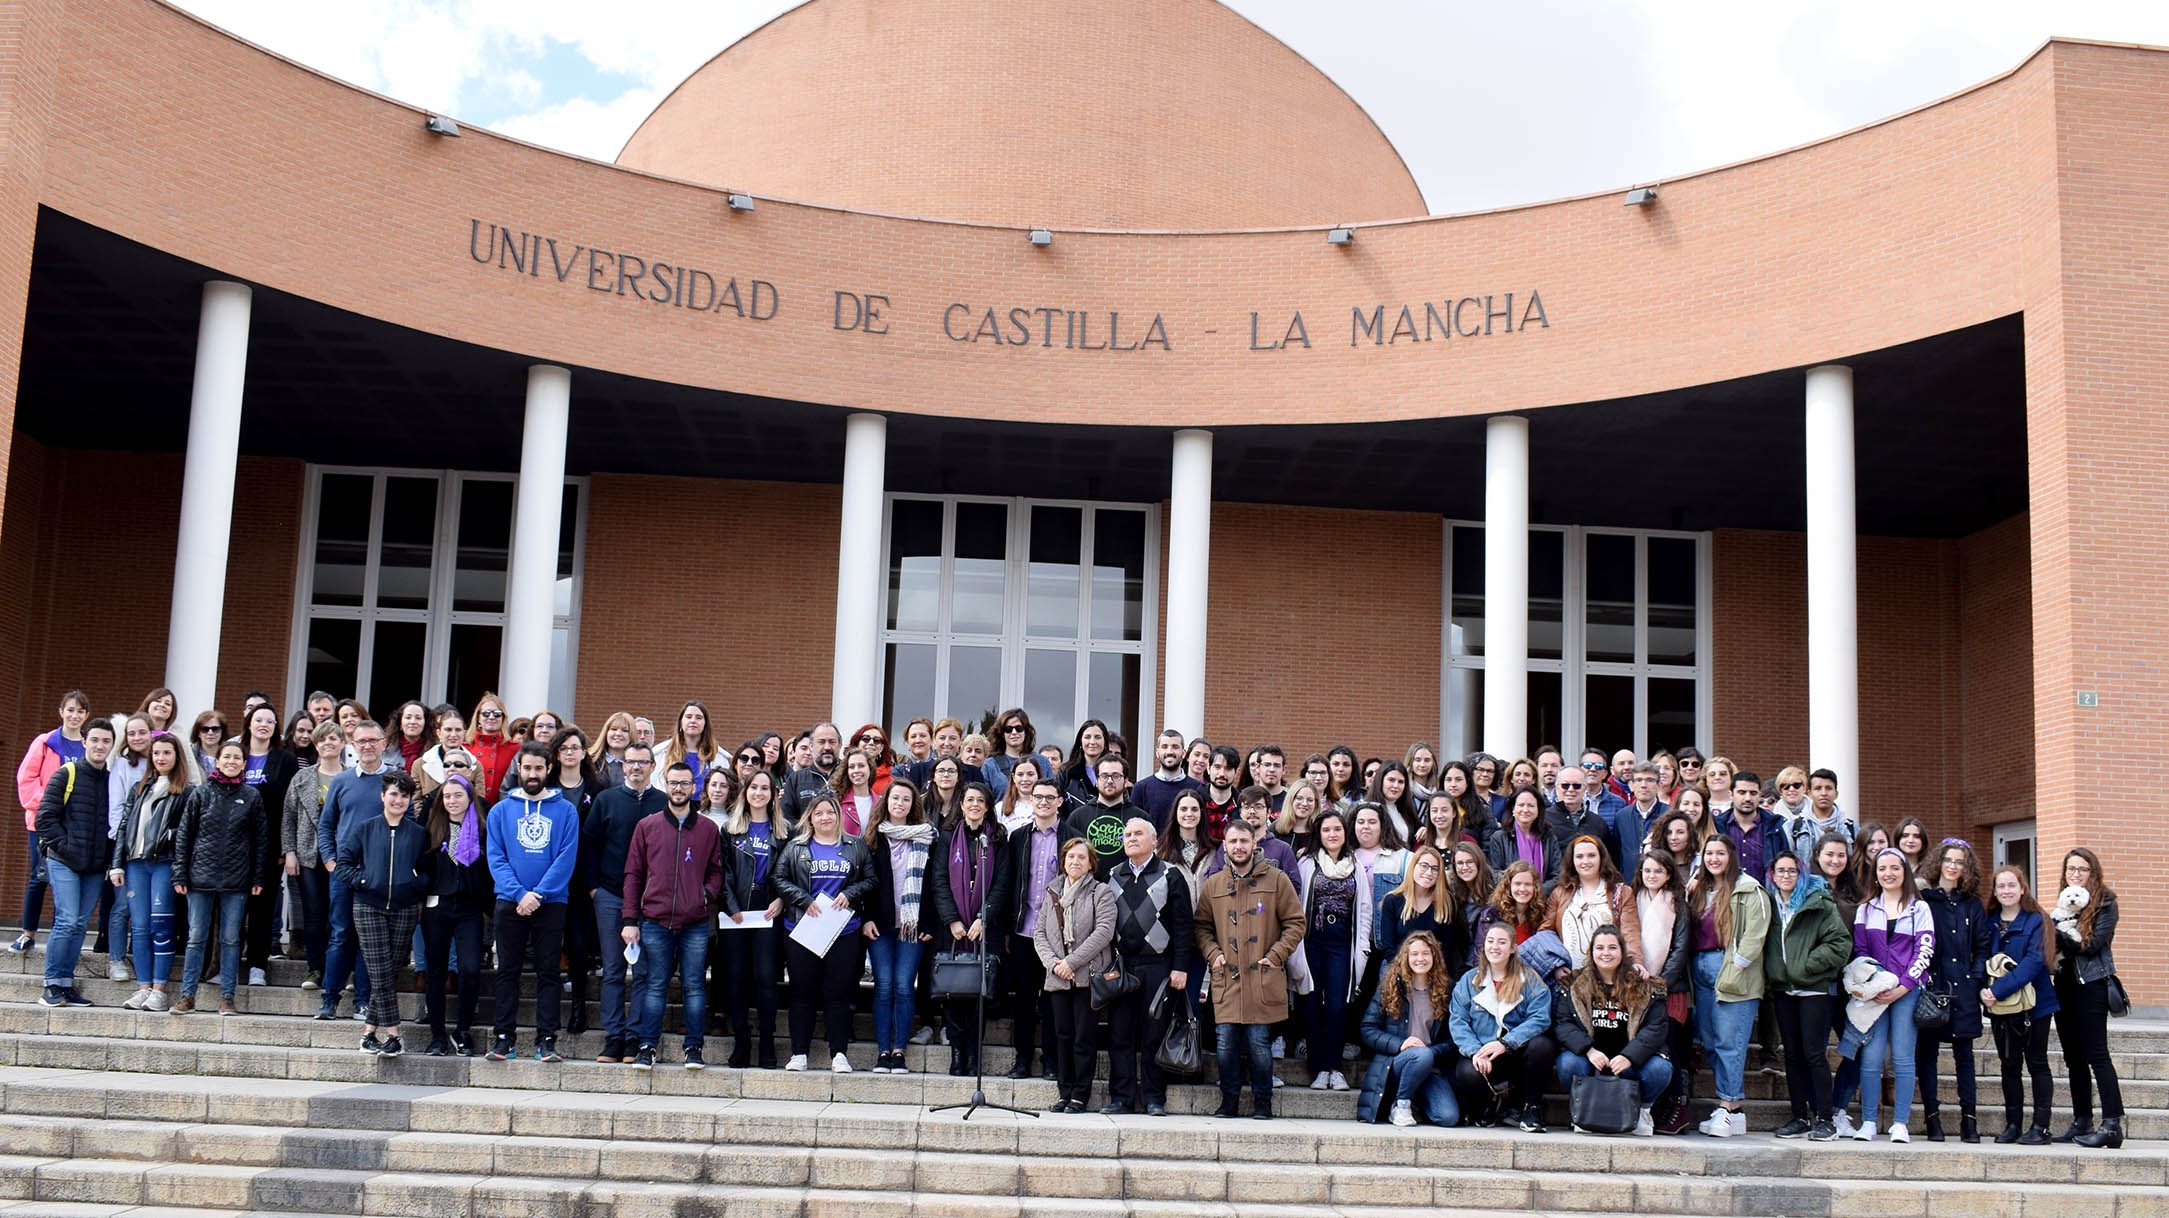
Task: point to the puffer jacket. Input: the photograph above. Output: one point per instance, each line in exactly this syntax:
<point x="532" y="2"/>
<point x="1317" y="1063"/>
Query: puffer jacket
<point x="1961" y="961"/>
<point x="222" y="840"/>
<point x="71" y="818"/>
<point x="1808" y="948"/>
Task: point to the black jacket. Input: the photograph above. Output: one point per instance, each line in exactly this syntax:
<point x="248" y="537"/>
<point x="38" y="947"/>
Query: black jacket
<point x="279" y="770"/>
<point x="1648" y="1040"/>
<point x="606" y="829"/>
<point x="1961" y="957"/>
<point x="796" y="791"/>
<point x="389" y="871"/>
<point x="1019" y="850"/>
<point x="995" y="910"/>
<point x="741" y="892"/>
<point x="1563" y="832"/>
<point x="883" y="901"/>
<point x="793" y="875"/>
<point x="1101" y="824"/>
<point x="468" y="889"/>
<point x="222" y="840"/>
<point x="164" y="811"/>
<point x="2085" y="960"/>
<point x="71" y="823"/>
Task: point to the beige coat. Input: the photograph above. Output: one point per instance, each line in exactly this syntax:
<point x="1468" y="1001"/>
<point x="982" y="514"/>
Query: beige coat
<point x="1257" y="921"/>
<point x="1093" y="934"/>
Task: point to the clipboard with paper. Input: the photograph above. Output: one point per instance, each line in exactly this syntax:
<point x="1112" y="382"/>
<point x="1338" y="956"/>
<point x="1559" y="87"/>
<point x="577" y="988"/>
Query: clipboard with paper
<point x="817" y="930"/>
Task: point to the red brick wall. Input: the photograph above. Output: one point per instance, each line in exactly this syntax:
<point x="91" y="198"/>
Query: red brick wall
<point x="703" y="588"/>
<point x="1309" y="662"/>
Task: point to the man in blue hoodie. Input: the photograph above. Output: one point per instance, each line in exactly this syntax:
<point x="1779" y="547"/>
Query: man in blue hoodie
<point x="534" y="843"/>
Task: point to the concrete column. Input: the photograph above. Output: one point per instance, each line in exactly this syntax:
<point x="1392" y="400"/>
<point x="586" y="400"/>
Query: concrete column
<point x="214" y="449"/>
<point x="1832" y="582"/>
<point x="858" y="572"/>
<point x="1189" y="568"/>
<point x="523" y="678"/>
<point x="1506" y="587"/>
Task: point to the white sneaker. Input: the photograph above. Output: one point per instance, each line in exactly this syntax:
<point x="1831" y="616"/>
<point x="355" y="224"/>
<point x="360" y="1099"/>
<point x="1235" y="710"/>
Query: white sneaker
<point x="1712" y="1121"/>
<point x="157" y="1001"/>
<point x="839" y="1064"/>
<point x="117" y="969"/>
<point x="1279" y="1082"/>
<point x="797" y="1062"/>
<point x="1403" y="1115"/>
<point x="1899" y="1133"/>
<point x="924" y="1036"/>
<point x="1866" y="1132"/>
<point x="1323" y="1082"/>
<point x="136" y="1000"/>
<point x="1739" y="1124"/>
<point x="1645" y="1125"/>
<point x="1340" y="1081"/>
<point x="1843" y="1123"/>
<point x="256" y="977"/>
<point x="1280" y="1048"/>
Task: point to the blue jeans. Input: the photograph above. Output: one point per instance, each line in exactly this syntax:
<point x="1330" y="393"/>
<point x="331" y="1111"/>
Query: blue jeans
<point x="1655" y="1074"/>
<point x="1255" y="1048"/>
<point x="1724" y="1028"/>
<point x="1893" y="1036"/>
<point x="896" y="967"/>
<point x="343" y="958"/>
<point x="150" y="920"/>
<point x="662" y="949"/>
<point x="1417" y="1083"/>
<point x="616" y="1020"/>
<point x="228" y="907"/>
<point x="75" y="893"/>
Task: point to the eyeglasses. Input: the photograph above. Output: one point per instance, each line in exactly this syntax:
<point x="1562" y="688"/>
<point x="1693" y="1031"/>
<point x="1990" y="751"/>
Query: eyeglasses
<point x="639" y="761"/>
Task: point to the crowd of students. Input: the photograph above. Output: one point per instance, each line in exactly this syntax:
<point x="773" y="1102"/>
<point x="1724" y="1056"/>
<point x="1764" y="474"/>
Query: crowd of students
<point x="1488" y="930"/>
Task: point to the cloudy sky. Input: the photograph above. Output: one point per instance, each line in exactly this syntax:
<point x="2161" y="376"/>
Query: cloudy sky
<point x="1491" y="104"/>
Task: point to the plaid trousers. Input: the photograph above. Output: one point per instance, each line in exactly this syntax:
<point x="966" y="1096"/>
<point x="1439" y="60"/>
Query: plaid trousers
<point x="387" y="940"/>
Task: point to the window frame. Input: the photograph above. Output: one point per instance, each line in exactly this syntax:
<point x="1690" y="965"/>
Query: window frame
<point x="439" y="617"/>
<point x="1573" y="665"/>
<point x="1013" y="640"/>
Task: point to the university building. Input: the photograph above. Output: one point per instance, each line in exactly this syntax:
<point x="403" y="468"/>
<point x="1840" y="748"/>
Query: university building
<point x="943" y="356"/>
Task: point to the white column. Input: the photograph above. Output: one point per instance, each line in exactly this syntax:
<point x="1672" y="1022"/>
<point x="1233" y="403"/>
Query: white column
<point x="858" y="572"/>
<point x="1189" y="568"/>
<point x="523" y="678"/>
<point x="214" y="449"/>
<point x="1832" y="582"/>
<point x="1506" y="587"/>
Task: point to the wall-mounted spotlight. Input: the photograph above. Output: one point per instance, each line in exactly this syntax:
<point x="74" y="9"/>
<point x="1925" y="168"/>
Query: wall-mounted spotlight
<point x="440" y="124"/>
<point x="739" y="201"/>
<point x="1642" y="196"/>
<point x="1042" y="237"/>
<point x="1340" y="236"/>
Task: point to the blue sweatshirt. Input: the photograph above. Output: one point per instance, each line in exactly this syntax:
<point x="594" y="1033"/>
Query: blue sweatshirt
<point x="533" y="846"/>
<point x="353" y="795"/>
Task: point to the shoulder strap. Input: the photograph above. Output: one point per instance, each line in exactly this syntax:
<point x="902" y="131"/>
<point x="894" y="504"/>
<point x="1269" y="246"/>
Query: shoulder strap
<point x="70" y="792"/>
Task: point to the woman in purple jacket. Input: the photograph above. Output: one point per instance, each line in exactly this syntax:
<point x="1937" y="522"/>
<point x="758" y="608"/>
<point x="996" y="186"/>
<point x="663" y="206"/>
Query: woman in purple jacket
<point x="1896" y="929"/>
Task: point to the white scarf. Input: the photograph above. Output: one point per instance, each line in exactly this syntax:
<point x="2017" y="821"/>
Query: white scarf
<point x="1335" y="869"/>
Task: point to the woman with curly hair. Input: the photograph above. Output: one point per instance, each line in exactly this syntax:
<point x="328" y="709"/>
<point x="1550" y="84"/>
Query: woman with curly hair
<point x="1411" y="1045"/>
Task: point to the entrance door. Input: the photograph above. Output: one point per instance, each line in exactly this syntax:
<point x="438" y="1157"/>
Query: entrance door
<point x="2013" y="845"/>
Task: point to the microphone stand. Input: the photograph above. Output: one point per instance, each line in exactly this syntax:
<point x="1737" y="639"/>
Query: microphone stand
<point x="979" y="1055"/>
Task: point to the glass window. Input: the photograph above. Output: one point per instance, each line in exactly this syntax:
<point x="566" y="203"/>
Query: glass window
<point x="908" y="676"/>
<point x="1547" y="596"/>
<point x="485" y="545"/>
<point x="1671" y="720"/>
<point x="982" y="561"/>
<point x="1466" y="633"/>
<point x="568" y="537"/>
<point x="1609" y="636"/>
<point x="1608" y="713"/>
<point x="1672" y="598"/>
<point x="914" y="564"/>
<point x="1051" y="583"/>
<point x="408" y="549"/>
<point x="395" y="665"/>
<point x="1114" y="696"/>
<point x="333" y="657"/>
<point x="1050" y="693"/>
<point x="342" y="540"/>
<point x="1547" y="718"/>
<point x="975" y="685"/>
<point x="1118" y="574"/>
<point x="474" y="652"/>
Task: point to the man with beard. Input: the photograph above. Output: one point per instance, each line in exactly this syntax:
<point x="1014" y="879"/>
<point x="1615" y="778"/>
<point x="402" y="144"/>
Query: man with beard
<point x="1156" y="792"/>
<point x="805" y="782"/>
<point x="534" y="842"/>
<point x="1101" y="821"/>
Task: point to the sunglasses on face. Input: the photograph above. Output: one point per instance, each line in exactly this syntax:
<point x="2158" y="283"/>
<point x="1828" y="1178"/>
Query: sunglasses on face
<point x="750" y="759"/>
<point x="1790" y="786"/>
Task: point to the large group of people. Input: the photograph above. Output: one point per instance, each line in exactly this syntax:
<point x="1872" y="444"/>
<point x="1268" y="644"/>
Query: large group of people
<point x="1488" y="931"/>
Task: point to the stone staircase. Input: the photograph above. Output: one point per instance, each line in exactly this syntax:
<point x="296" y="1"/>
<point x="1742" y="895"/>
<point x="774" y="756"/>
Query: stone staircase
<point x="109" y="1111"/>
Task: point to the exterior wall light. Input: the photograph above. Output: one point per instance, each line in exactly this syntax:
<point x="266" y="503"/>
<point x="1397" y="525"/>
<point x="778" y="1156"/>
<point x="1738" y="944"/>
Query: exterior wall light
<point x="1342" y="235"/>
<point x="739" y="201"/>
<point x="1041" y="237"/>
<point x="439" y="124"/>
<point x="1642" y="196"/>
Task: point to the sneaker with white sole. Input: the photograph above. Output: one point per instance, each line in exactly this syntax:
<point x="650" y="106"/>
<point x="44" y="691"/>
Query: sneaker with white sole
<point x="117" y="969"/>
<point x="1899" y="1133"/>
<point x="157" y="1001"/>
<point x="1842" y="1123"/>
<point x="797" y="1062"/>
<point x="1403" y="1115"/>
<point x="136" y="1000"/>
<point x="924" y="1036"/>
<point x="1340" y="1081"/>
<point x="1739" y="1124"/>
<point x="1645" y="1125"/>
<point x="256" y="977"/>
<point x="1711" y="1122"/>
<point x="1865" y="1132"/>
<point x="1323" y="1081"/>
<point x="839" y="1064"/>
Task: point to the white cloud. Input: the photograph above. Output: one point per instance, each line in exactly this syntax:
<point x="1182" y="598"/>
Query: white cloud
<point x="1490" y="104"/>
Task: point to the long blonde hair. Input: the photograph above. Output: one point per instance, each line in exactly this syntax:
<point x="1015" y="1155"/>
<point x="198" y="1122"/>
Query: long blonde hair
<point x="1442" y="896"/>
<point x="1517" y="973"/>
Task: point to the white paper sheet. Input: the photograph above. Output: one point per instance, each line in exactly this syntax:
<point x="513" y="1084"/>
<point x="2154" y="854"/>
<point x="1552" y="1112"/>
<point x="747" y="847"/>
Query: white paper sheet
<point x="755" y="919"/>
<point x="817" y="931"/>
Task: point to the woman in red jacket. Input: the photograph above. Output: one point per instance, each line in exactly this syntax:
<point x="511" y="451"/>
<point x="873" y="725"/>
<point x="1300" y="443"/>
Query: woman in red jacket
<point x="492" y="746"/>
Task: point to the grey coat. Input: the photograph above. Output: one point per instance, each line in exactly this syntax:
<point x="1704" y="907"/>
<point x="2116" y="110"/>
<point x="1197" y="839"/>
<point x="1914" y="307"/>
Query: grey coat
<point x="1094" y="933"/>
<point x="297" y="821"/>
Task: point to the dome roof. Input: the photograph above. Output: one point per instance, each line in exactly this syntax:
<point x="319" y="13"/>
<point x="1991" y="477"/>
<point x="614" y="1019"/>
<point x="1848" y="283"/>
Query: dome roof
<point x="1128" y="114"/>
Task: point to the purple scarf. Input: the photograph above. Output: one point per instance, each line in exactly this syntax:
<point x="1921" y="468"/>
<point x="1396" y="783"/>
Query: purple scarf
<point x="466" y="846"/>
<point x="967" y="872"/>
<point x="1529" y="846"/>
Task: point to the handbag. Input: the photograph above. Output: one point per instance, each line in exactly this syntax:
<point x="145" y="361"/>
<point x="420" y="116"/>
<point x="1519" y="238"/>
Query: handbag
<point x="2000" y="965"/>
<point x="2118" y="1002"/>
<point x="1112" y="983"/>
<point x="1179" y="1049"/>
<point x="1605" y="1103"/>
<point x="963" y="976"/>
<point x="1932" y="1010"/>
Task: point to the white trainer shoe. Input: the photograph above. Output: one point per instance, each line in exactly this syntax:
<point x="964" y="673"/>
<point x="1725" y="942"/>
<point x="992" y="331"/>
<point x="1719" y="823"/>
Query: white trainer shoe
<point x="1899" y="1133"/>
<point x="1645" y="1125"/>
<point x="797" y="1062"/>
<point x="1865" y="1133"/>
<point x="1403" y="1115"/>
<point x="839" y="1064"/>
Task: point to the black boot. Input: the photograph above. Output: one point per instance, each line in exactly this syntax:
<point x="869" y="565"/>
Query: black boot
<point x="2079" y="1127"/>
<point x="1969" y="1130"/>
<point x="1227" y="1104"/>
<point x="2037" y="1135"/>
<point x="2109" y="1136"/>
<point x="768" y="1053"/>
<point x="741" y="1051"/>
<point x="1935" y="1125"/>
<point x="2009" y="1134"/>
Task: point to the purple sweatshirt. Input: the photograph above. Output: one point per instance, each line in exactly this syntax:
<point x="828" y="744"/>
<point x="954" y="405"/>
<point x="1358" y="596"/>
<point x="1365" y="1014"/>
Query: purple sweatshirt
<point x="1904" y="945"/>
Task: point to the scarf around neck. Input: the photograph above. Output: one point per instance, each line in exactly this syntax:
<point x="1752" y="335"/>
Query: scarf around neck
<point x="915" y="839"/>
<point x="968" y="871"/>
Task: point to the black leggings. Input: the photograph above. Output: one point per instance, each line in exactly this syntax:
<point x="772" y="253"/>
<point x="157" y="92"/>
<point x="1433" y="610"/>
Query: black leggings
<point x="1529" y="1071"/>
<point x="1803" y="1024"/>
<point x="2082" y="1025"/>
<point x="751" y="973"/>
<point x="442" y="926"/>
<point x="832" y="979"/>
<point x="2024" y="1040"/>
<point x="1076" y="1056"/>
<point x="1927" y="1047"/>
